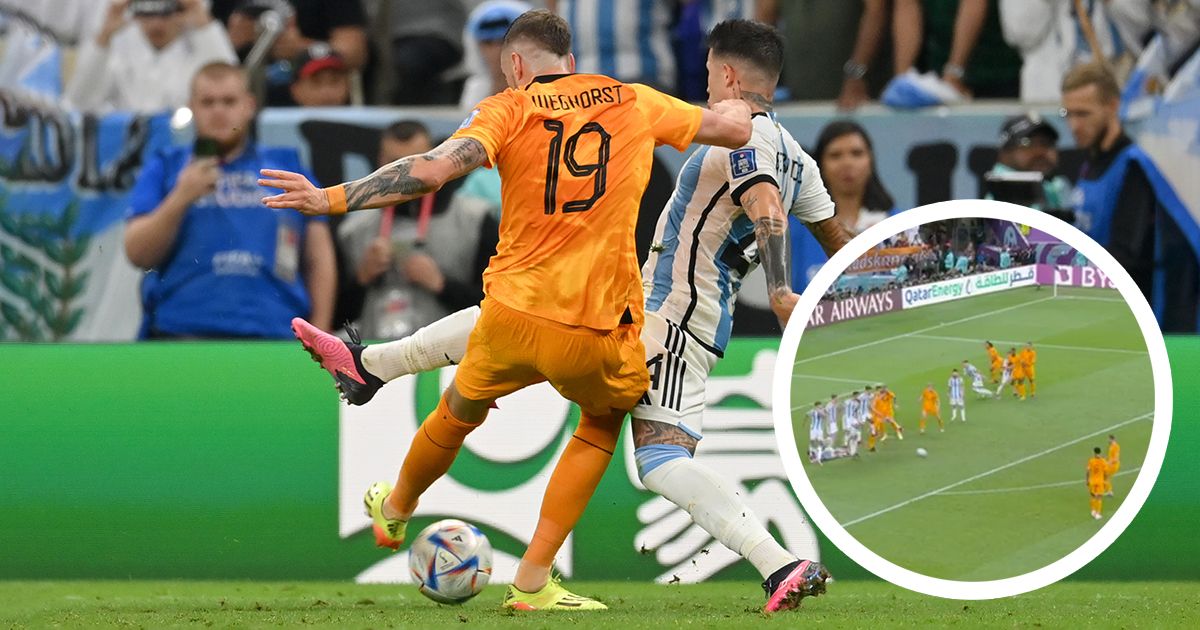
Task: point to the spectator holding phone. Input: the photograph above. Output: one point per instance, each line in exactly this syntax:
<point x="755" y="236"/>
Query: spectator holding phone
<point x="220" y="264"/>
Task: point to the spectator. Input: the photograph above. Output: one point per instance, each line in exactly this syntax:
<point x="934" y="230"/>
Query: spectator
<point x="222" y="264"/>
<point x="871" y="28"/>
<point x="482" y="38"/>
<point x="426" y="41"/>
<point x="847" y="162"/>
<point x="1049" y="37"/>
<point x="964" y="55"/>
<point x="339" y="23"/>
<point x="422" y="260"/>
<point x="1126" y="205"/>
<point x="1030" y="144"/>
<point x="322" y="78"/>
<point x="144" y="65"/>
<point x="1005" y="258"/>
<point x="632" y="44"/>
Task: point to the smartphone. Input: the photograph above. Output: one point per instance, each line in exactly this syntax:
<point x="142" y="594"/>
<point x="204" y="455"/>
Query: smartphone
<point x="206" y="147"/>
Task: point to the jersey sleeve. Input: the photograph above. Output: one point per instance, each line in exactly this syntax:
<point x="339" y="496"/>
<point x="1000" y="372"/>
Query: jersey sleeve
<point x="813" y="204"/>
<point x="751" y="164"/>
<point x="672" y="121"/>
<point x="491" y="123"/>
<point x="150" y="188"/>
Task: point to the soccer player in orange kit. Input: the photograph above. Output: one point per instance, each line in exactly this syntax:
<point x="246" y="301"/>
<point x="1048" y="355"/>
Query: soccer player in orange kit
<point x="563" y="297"/>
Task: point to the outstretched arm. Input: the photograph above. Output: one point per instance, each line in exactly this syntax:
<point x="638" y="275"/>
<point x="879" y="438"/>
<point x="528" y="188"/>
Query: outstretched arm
<point x="830" y="233"/>
<point x="765" y="209"/>
<point x="400" y="181"/>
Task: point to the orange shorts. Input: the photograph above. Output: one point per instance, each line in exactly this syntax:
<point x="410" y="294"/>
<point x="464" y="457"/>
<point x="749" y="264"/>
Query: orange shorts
<point x="508" y="350"/>
<point x="929" y="411"/>
<point x="1096" y="487"/>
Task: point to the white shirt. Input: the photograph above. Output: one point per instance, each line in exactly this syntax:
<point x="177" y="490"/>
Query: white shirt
<point x="831" y="413"/>
<point x="956" y="388"/>
<point x="704" y="244"/>
<point x="850" y="408"/>
<point x="131" y="75"/>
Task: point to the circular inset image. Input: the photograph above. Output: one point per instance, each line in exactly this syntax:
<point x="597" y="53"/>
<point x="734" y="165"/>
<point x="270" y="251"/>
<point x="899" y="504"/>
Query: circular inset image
<point x="979" y="403"/>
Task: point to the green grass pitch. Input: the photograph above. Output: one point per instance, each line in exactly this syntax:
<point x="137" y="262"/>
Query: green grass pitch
<point x="854" y="604"/>
<point x="1003" y="493"/>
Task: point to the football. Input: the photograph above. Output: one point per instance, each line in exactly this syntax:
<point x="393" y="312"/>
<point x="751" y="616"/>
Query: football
<point x="451" y="561"/>
<point x="922" y="452"/>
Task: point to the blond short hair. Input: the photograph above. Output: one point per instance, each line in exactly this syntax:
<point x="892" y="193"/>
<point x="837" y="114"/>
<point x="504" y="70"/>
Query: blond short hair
<point x="1093" y="74"/>
<point x="219" y="70"/>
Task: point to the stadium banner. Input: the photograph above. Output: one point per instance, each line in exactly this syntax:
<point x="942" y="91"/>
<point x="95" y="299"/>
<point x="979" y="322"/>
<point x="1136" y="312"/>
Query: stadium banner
<point x="968" y="286"/>
<point x="885" y="259"/>
<point x="1088" y="276"/>
<point x="865" y="305"/>
<point x="64" y="178"/>
<point x="206" y="472"/>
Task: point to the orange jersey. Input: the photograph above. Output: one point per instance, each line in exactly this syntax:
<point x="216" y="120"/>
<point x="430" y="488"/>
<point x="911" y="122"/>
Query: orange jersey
<point x="1028" y="357"/>
<point x="1097" y="468"/>
<point x="994" y="356"/>
<point x="929" y="399"/>
<point x="887" y="404"/>
<point x="1114" y="452"/>
<point x="574" y="154"/>
<point x="1018" y="366"/>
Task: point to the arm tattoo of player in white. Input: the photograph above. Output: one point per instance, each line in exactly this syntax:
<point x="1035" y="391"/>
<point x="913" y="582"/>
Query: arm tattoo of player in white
<point x="830" y="233"/>
<point x="774" y="251"/>
<point x="396" y="182"/>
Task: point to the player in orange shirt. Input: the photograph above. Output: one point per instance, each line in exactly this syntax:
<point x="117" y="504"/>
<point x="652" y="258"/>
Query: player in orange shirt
<point x="1029" y="358"/>
<point x="563" y="298"/>
<point x="930" y="406"/>
<point x="1114" y="464"/>
<point x="1097" y="469"/>
<point x="1018" y="374"/>
<point x="887" y="412"/>
<point x="995" y="360"/>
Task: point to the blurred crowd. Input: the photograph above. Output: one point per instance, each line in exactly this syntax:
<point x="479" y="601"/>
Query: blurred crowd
<point x="139" y="54"/>
<point x="398" y="269"/>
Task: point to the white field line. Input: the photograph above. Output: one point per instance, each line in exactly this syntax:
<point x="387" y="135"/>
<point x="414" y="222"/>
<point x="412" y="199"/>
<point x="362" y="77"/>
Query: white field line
<point x="1039" y="345"/>
<point x="993" y="471"/>
<point x="837" y="379"/>
<point x="1090" y="299"/>
<point x="1060" y="484"/>
<point x="920" y="330"/>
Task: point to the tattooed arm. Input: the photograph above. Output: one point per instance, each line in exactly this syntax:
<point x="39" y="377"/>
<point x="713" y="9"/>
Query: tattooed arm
<point x="764" y="208"/>
<point x="400" y="181"/>
<point x="830" y="233"/>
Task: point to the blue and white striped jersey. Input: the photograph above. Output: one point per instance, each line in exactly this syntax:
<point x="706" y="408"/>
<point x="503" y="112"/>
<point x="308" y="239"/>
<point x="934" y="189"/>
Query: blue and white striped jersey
<point x="831" y="417"/>
<point x="629" y="40"/>
<point x="704" y="243"/>
<point x="864" y="403"/>
<point x="816" y="419"/>
<point x="956" y="387"/>
<point x="850" y="410"/>
<point x="973" y="372"/>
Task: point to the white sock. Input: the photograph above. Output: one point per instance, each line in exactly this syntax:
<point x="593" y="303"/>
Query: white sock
<point x="715" y="507"/>
<point x="437" y="345"/>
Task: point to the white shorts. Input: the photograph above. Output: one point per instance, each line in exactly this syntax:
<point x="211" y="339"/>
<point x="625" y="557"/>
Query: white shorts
<point x="816" y="436"/>
<point x="957" y="402"/>
<point x="679" y="367"/>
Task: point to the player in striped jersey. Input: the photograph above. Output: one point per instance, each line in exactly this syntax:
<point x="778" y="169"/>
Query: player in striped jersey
<point x="728" y="214"/>
<point x="976" y="380"/>
<point x="852" y="423"/>
<point x="816" y="431"/>
<point x="831" y="422"/>
<point x="958" y="403"/>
